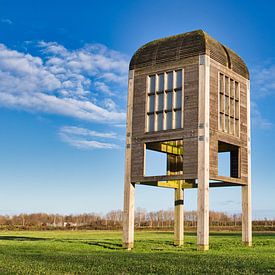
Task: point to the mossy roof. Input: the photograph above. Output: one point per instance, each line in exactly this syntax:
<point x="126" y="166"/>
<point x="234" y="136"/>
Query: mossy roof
<point x="185" y="45"/>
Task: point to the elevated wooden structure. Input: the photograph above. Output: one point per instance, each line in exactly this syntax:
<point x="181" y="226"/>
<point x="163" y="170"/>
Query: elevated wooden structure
<point x="188" y="97"/>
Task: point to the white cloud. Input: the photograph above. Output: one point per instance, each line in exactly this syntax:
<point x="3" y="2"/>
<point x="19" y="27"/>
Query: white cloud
<point x="86" y="139"/>
<point x="262" y="86"/>
<point x="257" y="119"/>
<point x="101" y="86"/>
<point x="82" y="83"/>
<point x="263" y="80"/>
<point x="73" y="130"/>
<point x="6" y="21"/>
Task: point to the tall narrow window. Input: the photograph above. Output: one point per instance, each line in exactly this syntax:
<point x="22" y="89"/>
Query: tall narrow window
<point x="152" y="84"/>
<point x="160" y="121"/>
<point x="229" y="105"/>
<point x="178" y="119"/>
<point x="178" y="99"/>
<point x="168" y="120"/>
<point x="151" y="103"/>
<point x="169" y="100"/>
<point x="165" y="101"/>
<point x="160" y="101"/>
<point x="178" y="79"/>
<point x="151" y="123"/>
<point x="169" y="81"/>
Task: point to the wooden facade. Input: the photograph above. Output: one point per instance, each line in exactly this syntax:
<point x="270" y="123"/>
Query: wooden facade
<point x="209" y="113"/>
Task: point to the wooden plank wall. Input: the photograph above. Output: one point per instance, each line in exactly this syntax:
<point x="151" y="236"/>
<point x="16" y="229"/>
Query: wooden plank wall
<point x="190" y="129"/>
<point x="215" y="134"/>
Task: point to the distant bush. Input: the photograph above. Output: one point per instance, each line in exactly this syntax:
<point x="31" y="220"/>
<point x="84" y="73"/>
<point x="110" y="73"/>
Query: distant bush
<point x="155" y="220"/>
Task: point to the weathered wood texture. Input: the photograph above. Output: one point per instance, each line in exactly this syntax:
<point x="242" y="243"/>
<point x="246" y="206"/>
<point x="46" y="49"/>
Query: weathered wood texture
<point x="129" y="188"/>
<point x="203" y="155"/>
<point x="202" y="60"/>
<point x="216" y="135"/>
<point x="246" y="190"/>
<point x="174" y="167"/>
<point x="178" y="47"/>
<point x="190" y="124"/>
<point x="179" y="217"/>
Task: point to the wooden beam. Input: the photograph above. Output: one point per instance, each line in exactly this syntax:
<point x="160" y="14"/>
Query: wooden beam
<point x="236" y="181"/>
<point x="170" y="184"/>
<point x="165" y="147"/>
<point x="203" y="154"/>
<point x="162" y="178"/>
<point x="179" y="217"/>
<point x="223" y="184"/>
<point x="186" y="184"/>
<point x="129" y="188"/>
<point x="246" y="190"/>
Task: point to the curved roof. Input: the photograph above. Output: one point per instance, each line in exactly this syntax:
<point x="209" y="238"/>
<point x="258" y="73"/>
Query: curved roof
<point x="185" y="45"/>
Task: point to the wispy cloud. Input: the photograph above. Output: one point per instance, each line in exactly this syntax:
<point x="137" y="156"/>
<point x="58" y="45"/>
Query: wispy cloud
<point x="74" y="130"/>
<point x="262" y="86"/>
<point x="258" y="121"/>
<point x="84" y="83"/>
<point x="6" y="21"/>
<point x="86" y="139"/>
<point x="263" y="80"/>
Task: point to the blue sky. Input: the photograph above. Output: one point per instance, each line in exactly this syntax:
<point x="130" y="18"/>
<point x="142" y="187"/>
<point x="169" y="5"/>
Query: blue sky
<point x="63" y="86"/>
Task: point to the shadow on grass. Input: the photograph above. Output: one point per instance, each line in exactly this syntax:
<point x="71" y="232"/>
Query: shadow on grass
<point x="225" y="234"/>
<point x="264" y="234"/>
<point x="108" y="245"/>
<point x="21" y="238"/>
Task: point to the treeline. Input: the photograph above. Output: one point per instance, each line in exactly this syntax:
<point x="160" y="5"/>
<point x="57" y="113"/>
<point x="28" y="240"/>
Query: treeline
<point x="163" y="219"/>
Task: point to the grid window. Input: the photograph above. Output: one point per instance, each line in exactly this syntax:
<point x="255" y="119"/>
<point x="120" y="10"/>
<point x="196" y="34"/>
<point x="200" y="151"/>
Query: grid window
<point x="229" y="112"/>
<point x="165" y="101"/>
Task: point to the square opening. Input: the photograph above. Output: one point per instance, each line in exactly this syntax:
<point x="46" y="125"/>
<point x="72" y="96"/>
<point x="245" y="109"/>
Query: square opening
<point x="163" y="158"/>
<point x="228" y="160"/>
<point x="224" y="164"/>
<point x="156" y="163"/>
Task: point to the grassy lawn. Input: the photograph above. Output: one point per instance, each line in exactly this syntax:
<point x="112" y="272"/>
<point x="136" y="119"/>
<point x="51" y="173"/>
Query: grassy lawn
<point x="100" y="252"/>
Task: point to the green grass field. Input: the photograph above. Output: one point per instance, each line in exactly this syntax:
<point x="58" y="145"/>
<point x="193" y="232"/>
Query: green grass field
<point x="100" y="252"/>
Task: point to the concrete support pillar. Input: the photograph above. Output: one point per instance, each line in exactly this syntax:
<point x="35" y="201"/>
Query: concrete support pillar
<point x="203" y="155"/>
<point x="179" y="217"/>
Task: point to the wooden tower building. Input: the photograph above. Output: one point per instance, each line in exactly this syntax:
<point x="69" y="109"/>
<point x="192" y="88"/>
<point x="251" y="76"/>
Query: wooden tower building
<point x="188" y="97"/>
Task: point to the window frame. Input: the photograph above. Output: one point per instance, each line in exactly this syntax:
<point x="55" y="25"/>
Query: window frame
<point x="227" y="114"/>
<point x="175" y="107"/>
